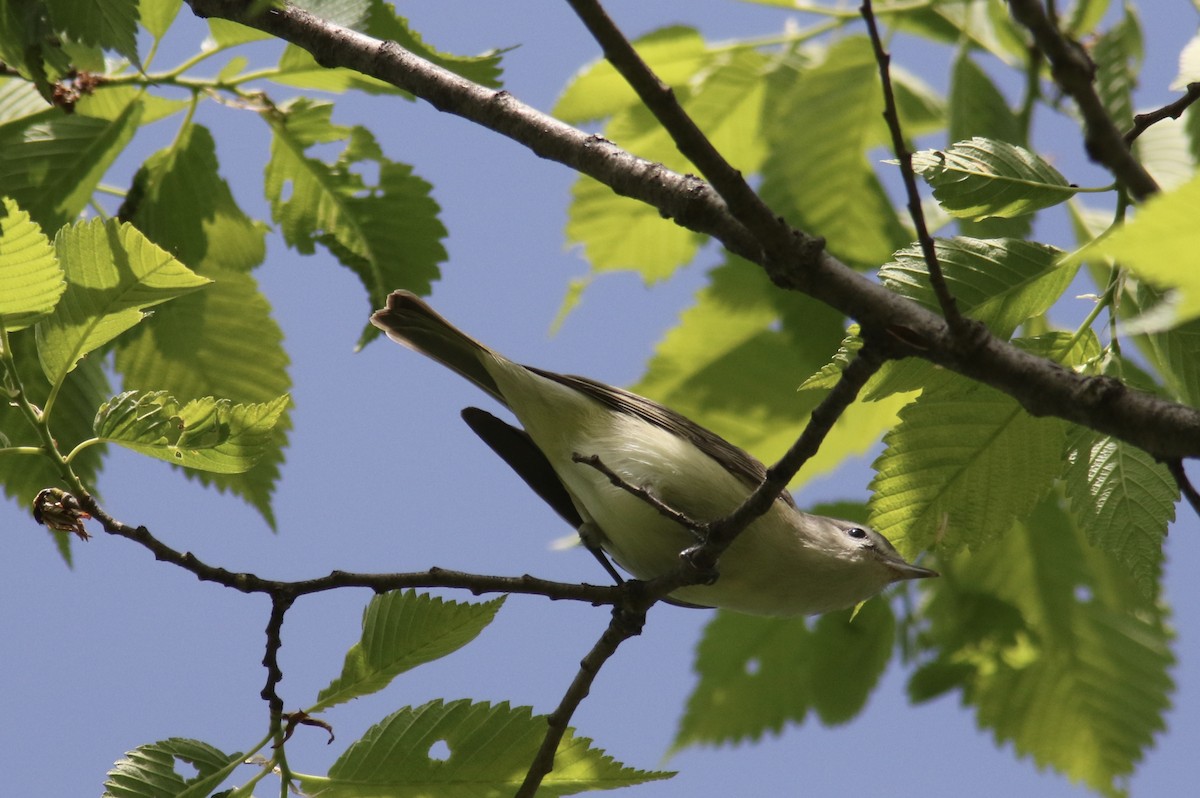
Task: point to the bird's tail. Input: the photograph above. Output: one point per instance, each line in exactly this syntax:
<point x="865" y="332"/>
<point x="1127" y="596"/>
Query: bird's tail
<point x="409" y="321"/>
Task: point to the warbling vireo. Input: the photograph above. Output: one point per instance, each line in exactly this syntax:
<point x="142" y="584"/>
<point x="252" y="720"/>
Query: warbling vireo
<point x="786" y="562"/>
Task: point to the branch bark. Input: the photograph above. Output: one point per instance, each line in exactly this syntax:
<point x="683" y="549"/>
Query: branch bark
<point x="1165" y="429"/>
<point x="1075" y="73"/>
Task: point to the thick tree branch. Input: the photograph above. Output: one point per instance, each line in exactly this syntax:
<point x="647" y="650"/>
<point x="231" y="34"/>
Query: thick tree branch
<point x="1075" y="73"/>
<point x="743" y="202"/>
<point x="1165" y="429"/>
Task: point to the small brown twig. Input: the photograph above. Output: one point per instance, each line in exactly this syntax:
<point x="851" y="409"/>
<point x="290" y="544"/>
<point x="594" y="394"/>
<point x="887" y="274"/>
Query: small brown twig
<point x="1075" y="73"/>
<point x="1172" y="110"/>
<point x="937" y="280"/>
<point x="626" y="622"/>
<point x="649" y="498"/>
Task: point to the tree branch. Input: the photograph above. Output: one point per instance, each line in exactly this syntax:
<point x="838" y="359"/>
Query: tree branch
<point x="626" y="622"/>
<point x="1162" y="428"/>
<point x="435" y="577"/>
<point x="1075" y="73"/>
<point x="1172" y="110"/>
<point x="936" y="279"/>
<point x="743" y="202"/>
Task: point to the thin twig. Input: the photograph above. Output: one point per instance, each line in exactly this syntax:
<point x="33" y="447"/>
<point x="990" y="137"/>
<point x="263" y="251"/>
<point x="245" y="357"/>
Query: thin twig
<point x="1171" y="110"/>
<point x="649" y="498"/>
<point x="936" y="279"/>
<point x="743" y="202"/>
<point x="435" y="577"/>
<point x="1075" y="73"/>
<point x="280" y="604"/>
<point x="626" y="622"/>
<point x="1185" y="485"/>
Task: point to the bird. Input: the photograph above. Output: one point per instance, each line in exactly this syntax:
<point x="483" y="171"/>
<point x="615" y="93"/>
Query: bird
<point x="785" y="563"/>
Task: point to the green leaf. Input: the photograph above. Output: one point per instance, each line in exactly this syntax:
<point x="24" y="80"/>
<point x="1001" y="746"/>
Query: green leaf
<point x="1055" y="647"/>
<point x="208" y="434"/>
<point x="758" y="674"/>
<point x="1124" y="500"/>
<point x="726" y="102"/>
<point x="1166" y="152"/>
<point x="828" y="375"/>
<point x="1117" y="54"/>
<point x="402" y="630"/>
<point x="977" y="108"/>
<point x="963" y="463"/>
<point x="1001" y="282"/>
<point x="1174" y="353"/>
<point x="389" y="233"/>
<point x="598" y="91"/>
<point x="737" y="334"/>
<point x="821" y="183"/>
<point x="51" y="164"/>
<point x="1189" y="65"/>
<point x="108" y="24"/>
<point x="181" y="203"/>
<point x="31" y="280"/>
<point x="298" y="68"/>
<point x="156" y="16"/>
<point x="982" y="24"/>
<point x="619" y="233"/>
<point x="1162" y="245"/>
<point x="491" y="747"/>
<point x="218" y="342"/>
<point x="980" y="178"/>
<point x="19" y="99"/>
<point x="114" y="273"/>
<point x="150" y="770"/>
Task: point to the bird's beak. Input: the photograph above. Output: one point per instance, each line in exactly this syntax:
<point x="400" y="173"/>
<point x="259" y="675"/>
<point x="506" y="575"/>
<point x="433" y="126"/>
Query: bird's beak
<point x="905" y="570"/>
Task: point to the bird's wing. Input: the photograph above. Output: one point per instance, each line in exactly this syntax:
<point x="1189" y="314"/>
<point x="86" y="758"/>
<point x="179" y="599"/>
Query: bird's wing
<point x="516" y="448"/>
<point x="737" y="461"/>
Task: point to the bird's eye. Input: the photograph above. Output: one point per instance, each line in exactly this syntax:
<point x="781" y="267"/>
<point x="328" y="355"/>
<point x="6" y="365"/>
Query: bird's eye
<point x="857" y="533"/>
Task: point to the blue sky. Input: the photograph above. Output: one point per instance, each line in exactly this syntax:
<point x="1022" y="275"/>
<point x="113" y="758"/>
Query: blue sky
<point x="382" y="475"/>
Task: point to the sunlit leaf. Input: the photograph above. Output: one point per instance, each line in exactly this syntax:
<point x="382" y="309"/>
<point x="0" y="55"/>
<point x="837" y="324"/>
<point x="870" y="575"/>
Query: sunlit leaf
<point x="757" y="675"/>
<point x="1056" y="648"/>
<point x="1124" y="500"/>
<point x="221" y="341"/>
<point x="1162" y="245"/>
<point x="31" y="281"/>
<point x="388" y="233"/>
<point x="981" y="178"/>
<point x="402" y="630"/>
<point x="1001" y="282"/>
<point x="962" y="464"/>
<point x="114" y="273"/>
<point x="208" y="434"/>
<point x="825" y="184"/>
<point x="181" y="203"/>
<point x="53" y="163"/>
